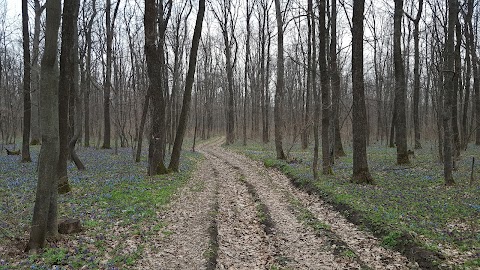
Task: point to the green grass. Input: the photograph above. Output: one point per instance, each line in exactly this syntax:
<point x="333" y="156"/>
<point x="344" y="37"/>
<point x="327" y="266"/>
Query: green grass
<point x="409" y="199"/>
<point x="114" y="199"/>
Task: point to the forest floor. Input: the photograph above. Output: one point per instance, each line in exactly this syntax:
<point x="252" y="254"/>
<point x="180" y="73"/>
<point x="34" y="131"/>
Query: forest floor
<point x="237" y="214"/>
<point x="224" y="210"/>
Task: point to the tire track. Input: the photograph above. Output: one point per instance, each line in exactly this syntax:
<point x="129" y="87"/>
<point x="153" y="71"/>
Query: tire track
<point x="363" y="244"/>
<point x="182" y="231"/>
<point x="292" y="244"/>
<point x="242" y="242"/>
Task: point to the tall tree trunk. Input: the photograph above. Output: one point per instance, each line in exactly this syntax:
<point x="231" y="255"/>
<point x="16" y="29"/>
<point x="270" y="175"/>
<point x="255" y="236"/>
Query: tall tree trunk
<point x="316" y="98"/>
<point x="416" y="76"/>
<point x="326" y="102"/>
<point x="107" y="80"/>
<point x="361" y="172"/>
<point x="155" y="67"/>
<point x="457" y="86"/>
<point x="35" y="73"/>
<point x="88" y="67"/>
<point x="44" y="220"/>
<point x="66" y="84"/>
<point x="107" y="86"/>
<point x="278" y="114"/>
<point x="400" y="88"/>
<point x="449" y="81"/>
<point x="468" y="76"/>
<point x="247" y="62"/>
<point x="27" y="107"/>
<point x="75" y="97"/>
<point x="187" y="96"/>
<point x="306" y="129"/>
<point x="335" y="81"/>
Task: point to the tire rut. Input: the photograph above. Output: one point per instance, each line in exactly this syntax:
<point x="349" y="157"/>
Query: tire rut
<point x="242" y="242"/>
<point x="363" y="244"/>
<point x="293" y="245"/>
<point x="182" y="233"/>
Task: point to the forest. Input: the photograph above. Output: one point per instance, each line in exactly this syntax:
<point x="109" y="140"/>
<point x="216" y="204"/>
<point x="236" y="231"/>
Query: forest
<point x="239" y="134"/>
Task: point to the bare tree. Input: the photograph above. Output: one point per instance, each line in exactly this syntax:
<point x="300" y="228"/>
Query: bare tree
<point x="66" y="85"/>
<point x="416" y="74"/>
<point x="335" y="82"/>
<point x="35" y="73"/>
<point x="107" y="86"/>
<point x="88" y="68"/>
<point x="449" y="81"/>
<point x="326" y="100"/>
<point x="278" y="114"/>
<point x="27" y="107"/>
<point x="187" y="96"/>
<point x="44" y="220"/>
<point x="227" y="21"/>
<point x="400" y="87"/>
<point x="155" y="57"/>
<point x="361" y="172"/>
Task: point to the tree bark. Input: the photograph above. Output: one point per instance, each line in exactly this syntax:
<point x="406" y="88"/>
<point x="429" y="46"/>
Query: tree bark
<point x="86" y="103"/>
<point x="107" y="86"/>
<point x="187" y="96"/>
<point x="326" y="102"/>
<point x="278" y="114"/>
<point x="457" y="86"/>
<point x="400" y="88"/>
<point x="44" y="220"/>
<point x="66" y="83"/>
<point x="35" y="73"/>
<point x="316" y="98"/>
<point x="416" y="76"/>
<point x="27" y="107"/>
<point x="449" y="81"/>
<point x="335" y="82"/>
<point x="306" y="129"/>
<point x="361" y="172"/>
<point x="155" y="67"/>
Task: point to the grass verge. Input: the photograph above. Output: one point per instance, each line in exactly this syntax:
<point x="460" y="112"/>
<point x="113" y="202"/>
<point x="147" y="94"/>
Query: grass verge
<point x="409" y="208"/>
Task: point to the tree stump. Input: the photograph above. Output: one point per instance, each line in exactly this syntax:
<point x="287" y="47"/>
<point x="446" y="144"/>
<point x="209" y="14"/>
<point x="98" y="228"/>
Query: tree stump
<point x="69" y="226"/>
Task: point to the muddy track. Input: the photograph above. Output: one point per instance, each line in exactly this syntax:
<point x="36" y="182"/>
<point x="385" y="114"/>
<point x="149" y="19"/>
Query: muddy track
<point x="236" y="214"/>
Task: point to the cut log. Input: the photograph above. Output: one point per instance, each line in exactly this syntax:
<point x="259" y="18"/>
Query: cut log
<point x="69" y="226"/>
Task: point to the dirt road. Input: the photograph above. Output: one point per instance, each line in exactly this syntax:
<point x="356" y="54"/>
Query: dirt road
<point x="236" y="214"/>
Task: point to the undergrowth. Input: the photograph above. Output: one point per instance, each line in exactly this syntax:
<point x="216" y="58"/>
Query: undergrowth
<point x="119" y="206"/>
<point x="405" y="201"/>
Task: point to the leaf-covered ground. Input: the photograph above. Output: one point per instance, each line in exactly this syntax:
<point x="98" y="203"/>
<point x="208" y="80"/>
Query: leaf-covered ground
<point x="405" y="200"/>
<point x="116" y="202"/>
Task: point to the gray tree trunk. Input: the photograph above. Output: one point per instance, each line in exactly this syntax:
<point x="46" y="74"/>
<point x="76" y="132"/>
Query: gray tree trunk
<point x="400" y="88"/>
<point x="187" y="96"/>
<point x="361" y="172"/>
<point x="278" y="114"/>
<point x="449" y="81"/>
<point x="155" y="67"/>
<point x="326" y="100"/>
<point x="35" y="83"/>
<point x="27" y="107"/>
<point x="335" y="82"/>
<point x="44" y="220"/>
<point x="66" y="85"/>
